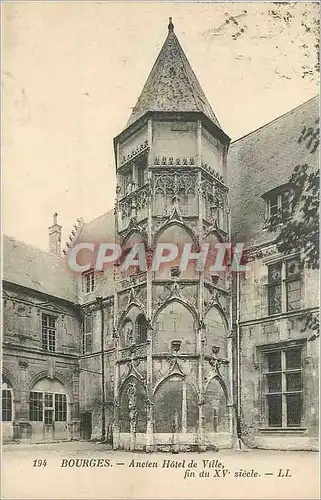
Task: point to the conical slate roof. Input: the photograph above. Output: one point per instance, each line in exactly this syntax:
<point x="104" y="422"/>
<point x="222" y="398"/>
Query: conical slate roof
<point x="172" y="85"/>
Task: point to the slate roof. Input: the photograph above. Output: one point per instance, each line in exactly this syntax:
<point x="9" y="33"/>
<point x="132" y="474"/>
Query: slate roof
<point x="263" y="160"/>
<point x="172" y="85"/>
<point x="99" y="230"/>
<point x="38" y="270"/>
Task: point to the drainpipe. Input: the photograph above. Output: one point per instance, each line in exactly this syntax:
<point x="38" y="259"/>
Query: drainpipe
<point x="230" y="335"/>
<point x="236" y="404"/>
<point x="99" y="301"/>
<point x="238" y="362"/>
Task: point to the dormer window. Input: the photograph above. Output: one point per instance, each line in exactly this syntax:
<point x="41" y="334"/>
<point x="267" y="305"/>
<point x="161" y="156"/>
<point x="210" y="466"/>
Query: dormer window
<point x="277" y="201"/>
<point x="89" y="281"/>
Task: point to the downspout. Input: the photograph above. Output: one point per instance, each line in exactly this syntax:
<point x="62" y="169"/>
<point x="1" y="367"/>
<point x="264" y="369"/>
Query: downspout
<point x="103" y="414"/>
<point x="230" y="336"/>
<point x="237" y="359"/>
<point x="238" y="362"/>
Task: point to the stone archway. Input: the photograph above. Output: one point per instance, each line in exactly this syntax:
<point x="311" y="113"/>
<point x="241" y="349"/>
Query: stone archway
<point x="49" y="410"/>
<point x="132" y="414"/>
<point x="174" y="321"/>
<point x="175" y="412"/>
<point x="178" y="234"/>
<point x="216" y="331"/>
<point x="216" y="414"/>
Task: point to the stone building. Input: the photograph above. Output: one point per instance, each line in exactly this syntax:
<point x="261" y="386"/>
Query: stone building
<point x="41" y="345"/>
<point x="176" y="358"/>
<point x="279" y="361"/>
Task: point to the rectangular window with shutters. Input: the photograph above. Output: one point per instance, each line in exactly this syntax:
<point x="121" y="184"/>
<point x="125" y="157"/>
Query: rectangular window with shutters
<point x="87" y="334"/>
<point x="283" y="386"/>
<point x="6" y="405"/>
<point x="60" y="408"/>
<point x="275" y="288"/>
<point x="89" y="282"/>
<point x="48" y="337"/>
<point x="48" y="415"/>
<point x="284" y="285"/>
<point x="293" y="284"/>
<point x="278" y="201"/>
<point x="47" y="407"/>
<point x="36" y="407"/>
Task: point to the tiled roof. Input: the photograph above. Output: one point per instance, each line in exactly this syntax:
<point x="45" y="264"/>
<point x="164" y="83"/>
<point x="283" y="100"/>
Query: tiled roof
<point x="100" y="230"/>
<point x="263" y="160"/>
<point x="34" y="268"/>
<point x="172" y="85"/>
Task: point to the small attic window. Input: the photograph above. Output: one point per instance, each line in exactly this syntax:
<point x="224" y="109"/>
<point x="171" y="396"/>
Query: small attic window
<point x="277" y="201"/>
<point x="89" y="281"/>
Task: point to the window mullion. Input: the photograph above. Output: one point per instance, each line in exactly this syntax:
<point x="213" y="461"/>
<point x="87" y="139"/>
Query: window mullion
<point x="283" y="288"/>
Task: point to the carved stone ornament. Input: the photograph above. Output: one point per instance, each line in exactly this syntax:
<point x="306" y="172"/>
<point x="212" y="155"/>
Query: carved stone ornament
<point x="175" y="184"/>
<point x="260" y="253"/>
<point x="135" y="152"/>
<point x="215" y="361"/>
<point x="176" y="346"/>
<point x="132" y="406"/>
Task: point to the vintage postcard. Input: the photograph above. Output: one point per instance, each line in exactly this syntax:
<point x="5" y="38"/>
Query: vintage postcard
<point x="160" y="250"/>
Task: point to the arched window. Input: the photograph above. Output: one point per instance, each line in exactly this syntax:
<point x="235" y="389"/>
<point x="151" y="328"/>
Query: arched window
<point x="174" y="322"/>
<point x="176" y="407"/>
<point x="215" y="410"/>
<point x="6" y="402"/>
<point x="216" y="332"/>
<point x="141" y="329"/>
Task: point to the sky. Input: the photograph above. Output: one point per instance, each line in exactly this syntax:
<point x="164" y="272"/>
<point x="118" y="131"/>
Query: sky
<point x="72" y="72"/>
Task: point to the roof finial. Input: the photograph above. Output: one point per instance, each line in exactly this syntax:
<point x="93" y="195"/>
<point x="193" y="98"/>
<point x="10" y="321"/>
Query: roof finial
<point x="170" y="26"/>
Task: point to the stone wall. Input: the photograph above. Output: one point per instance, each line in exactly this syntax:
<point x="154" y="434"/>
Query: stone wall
<point x="90" y="389"/>
<point x="26" y="363"/>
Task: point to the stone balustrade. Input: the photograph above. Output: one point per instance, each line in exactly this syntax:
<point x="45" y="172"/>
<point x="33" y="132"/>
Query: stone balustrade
<point x="135" y="152"/>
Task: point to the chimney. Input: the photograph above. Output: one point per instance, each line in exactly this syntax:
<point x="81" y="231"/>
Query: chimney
<point x="55" y="236"/>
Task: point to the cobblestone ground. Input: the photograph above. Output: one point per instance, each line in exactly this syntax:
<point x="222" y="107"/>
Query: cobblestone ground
<point x="91" y="470"/>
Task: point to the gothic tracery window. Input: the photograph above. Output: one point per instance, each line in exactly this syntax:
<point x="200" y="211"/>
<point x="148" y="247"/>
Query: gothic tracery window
<point x="141" y="329"/>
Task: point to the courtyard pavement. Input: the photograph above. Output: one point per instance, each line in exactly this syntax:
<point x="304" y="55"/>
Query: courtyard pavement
<point x="92" y="470"/>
